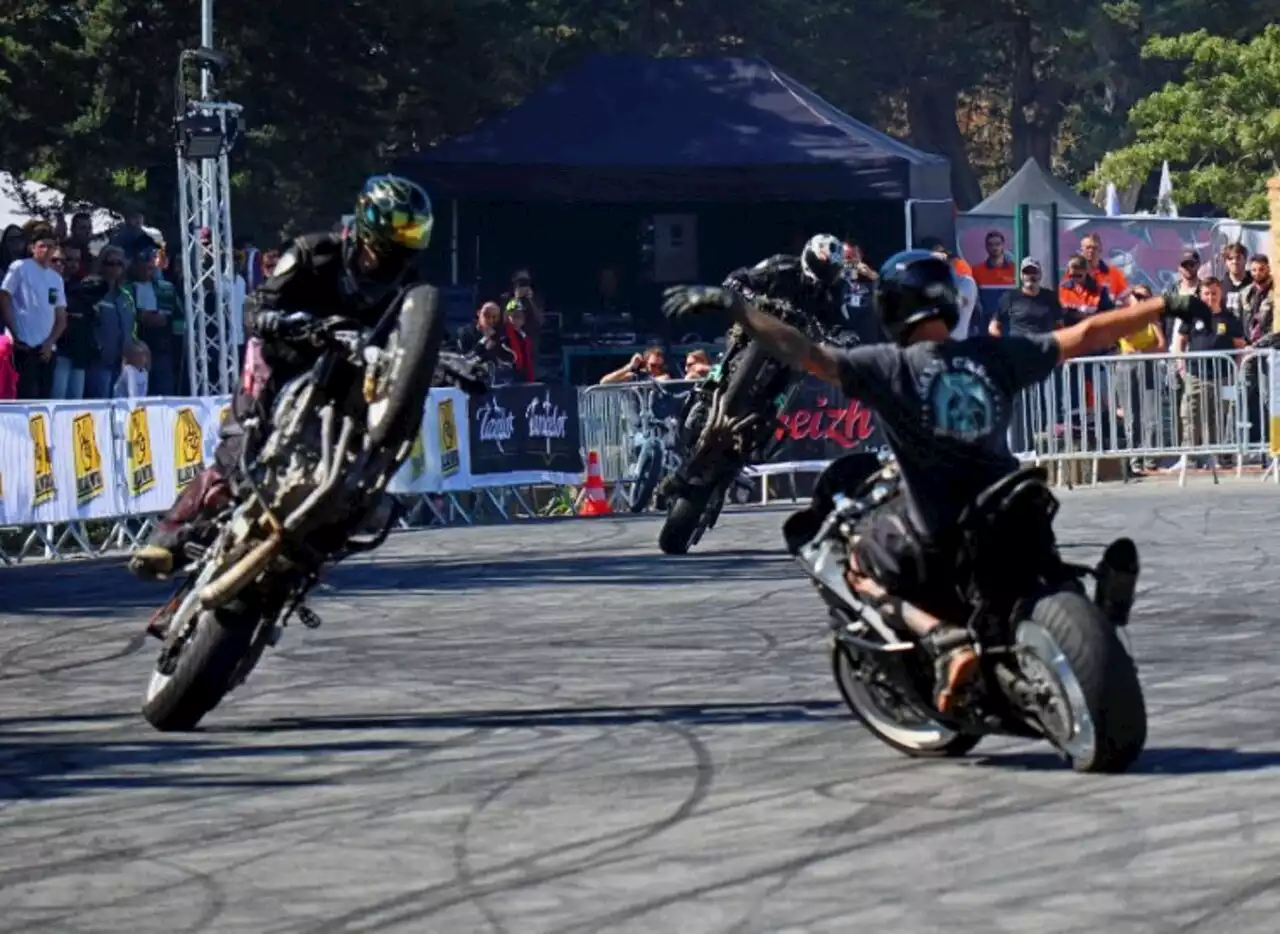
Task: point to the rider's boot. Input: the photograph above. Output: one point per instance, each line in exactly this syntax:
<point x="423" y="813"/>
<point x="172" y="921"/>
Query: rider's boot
<point x="1117" y="575"/>
<point x="955" y="664"/>
<point x="188" y="520"/>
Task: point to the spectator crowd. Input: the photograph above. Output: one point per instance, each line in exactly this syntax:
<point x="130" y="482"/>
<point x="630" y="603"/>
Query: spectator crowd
<point x="90" y="316"/>
<point x="1243" y="302"/>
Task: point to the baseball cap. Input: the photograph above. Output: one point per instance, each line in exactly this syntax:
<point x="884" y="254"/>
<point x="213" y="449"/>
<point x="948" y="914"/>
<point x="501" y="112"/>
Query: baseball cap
<point x="1189" y="256"/>
<point x="1030" y="264"/>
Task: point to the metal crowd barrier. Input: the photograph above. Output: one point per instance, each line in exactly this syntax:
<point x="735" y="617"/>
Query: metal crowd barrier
<point x="1138" y="413"/>
<point x="1095" y="419"/>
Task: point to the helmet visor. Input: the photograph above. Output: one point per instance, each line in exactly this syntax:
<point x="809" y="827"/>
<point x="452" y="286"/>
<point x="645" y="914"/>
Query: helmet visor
<point x="411" y="231"/>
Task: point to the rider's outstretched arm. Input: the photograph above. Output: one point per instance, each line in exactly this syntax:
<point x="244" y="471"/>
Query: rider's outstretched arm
<point x="1104" y="329"/>
<point x="786" y="343"/>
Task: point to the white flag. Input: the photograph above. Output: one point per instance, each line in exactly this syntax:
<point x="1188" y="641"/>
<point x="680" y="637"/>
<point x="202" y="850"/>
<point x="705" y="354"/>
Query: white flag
<point x="1113" y="201"/>
<point x="1164" y="196"/>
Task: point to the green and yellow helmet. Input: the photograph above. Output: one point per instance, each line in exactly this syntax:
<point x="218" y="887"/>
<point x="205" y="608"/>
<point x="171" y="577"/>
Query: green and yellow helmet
<point x="393" y="212"/>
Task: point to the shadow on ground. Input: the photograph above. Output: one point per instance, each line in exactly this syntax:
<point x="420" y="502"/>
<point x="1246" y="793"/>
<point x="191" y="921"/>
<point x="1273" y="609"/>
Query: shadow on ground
<point x="1167" y="760"/>
<point x="39" y="760"/>
<point x="643" y="570"/>
<point x="685" y="714"/>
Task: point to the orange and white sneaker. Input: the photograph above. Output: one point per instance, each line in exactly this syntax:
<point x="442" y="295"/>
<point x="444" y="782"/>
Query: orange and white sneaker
<point x="955" y="666"/>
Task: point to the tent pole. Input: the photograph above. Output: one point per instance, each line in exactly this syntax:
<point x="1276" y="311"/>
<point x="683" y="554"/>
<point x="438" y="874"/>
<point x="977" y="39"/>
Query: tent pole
<point x="907" y="207"/>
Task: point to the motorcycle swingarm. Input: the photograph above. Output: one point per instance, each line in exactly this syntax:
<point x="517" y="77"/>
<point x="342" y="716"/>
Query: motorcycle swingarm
<point x="1022" y="717"/>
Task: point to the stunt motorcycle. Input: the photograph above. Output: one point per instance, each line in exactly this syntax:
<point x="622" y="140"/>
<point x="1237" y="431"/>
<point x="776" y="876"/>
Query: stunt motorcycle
<point x="730" y="423"/>
<point x="312" y="478"/>
<point x="1053" y="665"/>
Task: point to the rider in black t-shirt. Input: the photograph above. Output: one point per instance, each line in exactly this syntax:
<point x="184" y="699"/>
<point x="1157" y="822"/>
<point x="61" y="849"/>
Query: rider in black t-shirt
<point x="944" y="406"/>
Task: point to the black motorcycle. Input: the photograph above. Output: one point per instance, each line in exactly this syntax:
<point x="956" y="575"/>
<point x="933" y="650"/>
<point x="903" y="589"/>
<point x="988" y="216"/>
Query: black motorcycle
<point x="1053" y="665"/>
<point x="309" y="493"/>
<point x="729" y="425"/>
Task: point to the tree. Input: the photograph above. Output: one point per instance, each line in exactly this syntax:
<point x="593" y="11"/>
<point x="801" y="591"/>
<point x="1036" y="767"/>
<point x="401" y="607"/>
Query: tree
<point x="1219" y="128"/>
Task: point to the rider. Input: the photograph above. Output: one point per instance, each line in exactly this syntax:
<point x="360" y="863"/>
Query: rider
<point x="356" y="273"/>
<point x="816" y="283"/>
<point x="944" y="406"/>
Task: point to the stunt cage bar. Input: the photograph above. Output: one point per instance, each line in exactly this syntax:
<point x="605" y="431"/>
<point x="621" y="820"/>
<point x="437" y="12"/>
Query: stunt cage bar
<point x="205" y="133"/>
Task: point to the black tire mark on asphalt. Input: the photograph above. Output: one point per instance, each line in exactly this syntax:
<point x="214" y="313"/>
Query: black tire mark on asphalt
<point x="462" y="873"/>
<point x="212" y="800"/>
<point x="412" y="914"/>
<point x="135" y="644"/>
<point x="952" y="822"/>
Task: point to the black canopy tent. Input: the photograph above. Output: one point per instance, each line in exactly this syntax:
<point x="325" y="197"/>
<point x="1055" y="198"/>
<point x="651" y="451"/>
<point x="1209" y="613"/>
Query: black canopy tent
<point x="625" y="129"/>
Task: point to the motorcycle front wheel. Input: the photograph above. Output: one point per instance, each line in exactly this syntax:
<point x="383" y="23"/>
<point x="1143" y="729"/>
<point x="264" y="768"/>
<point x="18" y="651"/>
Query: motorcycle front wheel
<point x="684" y="514"/>
<point x="404" y="382"/>
<point x="872" y="697"/>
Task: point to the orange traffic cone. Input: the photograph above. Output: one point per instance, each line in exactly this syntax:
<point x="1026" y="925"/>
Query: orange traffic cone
<point x="597" y="501"/>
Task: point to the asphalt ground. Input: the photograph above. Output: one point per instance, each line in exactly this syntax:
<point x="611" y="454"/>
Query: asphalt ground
<point x="550" y="727"/>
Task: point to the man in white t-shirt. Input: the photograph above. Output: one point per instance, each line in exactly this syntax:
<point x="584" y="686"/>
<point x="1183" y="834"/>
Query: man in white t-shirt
<point x="33" y="308"/>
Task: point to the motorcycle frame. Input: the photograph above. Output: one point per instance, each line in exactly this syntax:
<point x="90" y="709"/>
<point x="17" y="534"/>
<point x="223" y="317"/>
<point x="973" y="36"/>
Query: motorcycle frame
<point x="346" y="345"/>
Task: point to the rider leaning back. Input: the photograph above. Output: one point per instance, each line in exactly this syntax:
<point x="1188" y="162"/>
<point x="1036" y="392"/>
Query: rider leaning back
<point x="944" y="406"/>
<point x="354" y="274"/>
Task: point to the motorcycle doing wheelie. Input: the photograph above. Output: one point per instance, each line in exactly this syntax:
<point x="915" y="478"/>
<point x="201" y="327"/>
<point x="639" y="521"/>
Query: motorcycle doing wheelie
<point x="311" y="482"/>
<point x="729" y="424"/>
<point x="1052" y="663"/>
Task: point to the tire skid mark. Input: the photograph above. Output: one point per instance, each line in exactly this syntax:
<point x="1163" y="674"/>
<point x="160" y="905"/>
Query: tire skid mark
<point x="407" y="907"/>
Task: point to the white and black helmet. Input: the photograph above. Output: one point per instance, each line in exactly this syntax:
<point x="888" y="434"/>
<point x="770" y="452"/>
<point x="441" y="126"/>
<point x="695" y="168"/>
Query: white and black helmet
<point x="822" y="260"/>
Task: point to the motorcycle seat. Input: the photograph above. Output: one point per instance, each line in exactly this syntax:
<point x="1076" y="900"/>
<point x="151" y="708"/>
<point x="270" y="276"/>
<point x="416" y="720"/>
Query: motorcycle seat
<point x="997" y="497"/>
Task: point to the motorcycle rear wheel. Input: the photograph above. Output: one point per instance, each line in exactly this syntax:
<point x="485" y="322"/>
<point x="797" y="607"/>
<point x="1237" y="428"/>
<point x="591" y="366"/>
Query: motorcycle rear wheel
<point x="923" y="739"/>
<point x="684" y="514"/>
<point x="1098" y="706"/>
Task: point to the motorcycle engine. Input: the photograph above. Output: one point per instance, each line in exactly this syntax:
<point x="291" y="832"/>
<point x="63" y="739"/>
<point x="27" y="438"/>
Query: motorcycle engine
<point x="290" y="459"/>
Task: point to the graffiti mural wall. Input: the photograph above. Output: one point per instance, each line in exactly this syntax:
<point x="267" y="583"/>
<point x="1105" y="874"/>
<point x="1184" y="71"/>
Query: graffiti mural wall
<point x="1146" y="249"/>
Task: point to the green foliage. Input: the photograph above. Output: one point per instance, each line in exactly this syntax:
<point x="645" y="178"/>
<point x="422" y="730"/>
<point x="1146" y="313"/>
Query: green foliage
<point x="1219" y="127"/>
<point x="332" y="91"/>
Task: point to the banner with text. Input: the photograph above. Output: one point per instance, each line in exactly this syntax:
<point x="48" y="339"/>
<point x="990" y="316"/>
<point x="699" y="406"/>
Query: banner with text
<point x="821" y="424"/>
<point x="525" y="434"/>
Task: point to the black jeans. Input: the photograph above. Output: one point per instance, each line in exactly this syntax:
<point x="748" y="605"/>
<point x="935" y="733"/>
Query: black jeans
<point x="35" y="376"/>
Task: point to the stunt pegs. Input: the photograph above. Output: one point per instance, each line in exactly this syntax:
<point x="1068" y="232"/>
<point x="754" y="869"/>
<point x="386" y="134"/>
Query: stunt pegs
<point x="597" y="501"/>
<point x="1117" y="575"/>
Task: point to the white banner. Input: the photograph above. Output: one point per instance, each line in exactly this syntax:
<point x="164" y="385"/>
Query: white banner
<point x="85" y="473"/>
<point x="441" y="456"/>
<point x="72" y="461"/>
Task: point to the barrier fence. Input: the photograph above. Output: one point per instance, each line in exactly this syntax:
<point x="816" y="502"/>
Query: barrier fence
<point x="90" y="476"/>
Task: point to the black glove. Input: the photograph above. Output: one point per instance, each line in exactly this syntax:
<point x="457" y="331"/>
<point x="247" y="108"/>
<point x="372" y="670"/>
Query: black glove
<point x="279" y="324"/>
<point x="1188" y="308"/>
<point x="465" y="373"/>
<point x="681" y="300"/>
